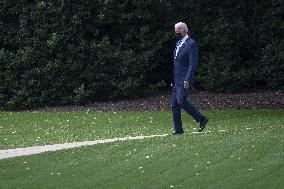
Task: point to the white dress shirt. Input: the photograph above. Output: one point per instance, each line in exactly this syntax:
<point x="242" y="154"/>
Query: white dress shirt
<point x="180" y="45"/>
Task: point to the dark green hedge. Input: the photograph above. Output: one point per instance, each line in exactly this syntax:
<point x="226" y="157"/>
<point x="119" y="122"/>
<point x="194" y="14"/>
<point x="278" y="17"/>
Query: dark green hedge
<point x="76" y="51"/>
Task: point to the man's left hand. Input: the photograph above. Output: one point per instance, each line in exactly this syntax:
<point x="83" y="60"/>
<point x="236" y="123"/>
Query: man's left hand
<point x="186" y="84"/>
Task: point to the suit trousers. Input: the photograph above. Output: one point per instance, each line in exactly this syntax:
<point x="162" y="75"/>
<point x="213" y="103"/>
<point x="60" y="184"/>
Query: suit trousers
<point x="179" y="100"/>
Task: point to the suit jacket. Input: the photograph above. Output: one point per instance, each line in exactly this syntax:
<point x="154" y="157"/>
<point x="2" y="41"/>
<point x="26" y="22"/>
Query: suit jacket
<point x="185" y="63"/>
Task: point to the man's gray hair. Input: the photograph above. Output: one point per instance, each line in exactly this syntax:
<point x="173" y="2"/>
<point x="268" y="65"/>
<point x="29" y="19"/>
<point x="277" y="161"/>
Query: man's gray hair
<point x="182" y="26"/>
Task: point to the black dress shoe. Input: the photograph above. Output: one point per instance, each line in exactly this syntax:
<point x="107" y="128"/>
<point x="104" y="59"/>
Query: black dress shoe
<point x="178" y="132"/>
<point x="203" y="124"/>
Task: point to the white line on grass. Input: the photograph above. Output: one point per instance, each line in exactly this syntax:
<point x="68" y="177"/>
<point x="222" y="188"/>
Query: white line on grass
<point x="10" y="153"/>
<point x="17" y="152"/>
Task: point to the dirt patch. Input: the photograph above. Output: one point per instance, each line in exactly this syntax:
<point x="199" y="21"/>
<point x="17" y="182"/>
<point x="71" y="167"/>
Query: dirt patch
<point x="202" y="100"/>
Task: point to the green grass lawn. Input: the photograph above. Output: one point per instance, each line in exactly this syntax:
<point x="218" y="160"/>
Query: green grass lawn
<point x="244" y="149"/>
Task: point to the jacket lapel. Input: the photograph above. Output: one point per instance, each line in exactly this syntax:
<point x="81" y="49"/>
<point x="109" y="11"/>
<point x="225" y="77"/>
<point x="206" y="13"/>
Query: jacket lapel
<point x="183" y="46"/>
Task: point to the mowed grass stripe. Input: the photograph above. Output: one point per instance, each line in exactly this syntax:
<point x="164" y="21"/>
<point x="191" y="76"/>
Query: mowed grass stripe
<point x="254" y="177"/>
<point x="115" y="169"/>
<point x="246" y="165"/>
<point x="252" y="139"/>
<point x="23" y="129"/>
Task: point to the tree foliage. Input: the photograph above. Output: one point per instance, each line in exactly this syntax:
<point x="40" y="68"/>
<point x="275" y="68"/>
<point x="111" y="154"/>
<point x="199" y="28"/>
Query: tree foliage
<point x="75" y="51"/>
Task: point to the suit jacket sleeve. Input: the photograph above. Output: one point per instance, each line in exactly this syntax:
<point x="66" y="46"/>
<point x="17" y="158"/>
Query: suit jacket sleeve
<point x="193" y="58"/>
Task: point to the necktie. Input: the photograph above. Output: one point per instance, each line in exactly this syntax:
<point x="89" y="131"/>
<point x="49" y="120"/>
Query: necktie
<point x="177" y="48"/>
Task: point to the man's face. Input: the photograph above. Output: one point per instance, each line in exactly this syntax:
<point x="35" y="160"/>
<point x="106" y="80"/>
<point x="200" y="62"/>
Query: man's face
<point x="178" y="30"/>
<point x="179" y="33"/>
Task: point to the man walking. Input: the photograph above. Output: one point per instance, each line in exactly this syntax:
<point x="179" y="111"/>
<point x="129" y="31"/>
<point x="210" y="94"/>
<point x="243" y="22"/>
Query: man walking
<point x="185" y="61"/>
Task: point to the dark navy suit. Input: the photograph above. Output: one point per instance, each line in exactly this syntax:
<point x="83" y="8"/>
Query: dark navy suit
<point x="184" y="70"/>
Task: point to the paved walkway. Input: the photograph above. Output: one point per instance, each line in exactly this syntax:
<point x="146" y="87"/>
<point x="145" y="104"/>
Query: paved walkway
<point x="10" y="153"/>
